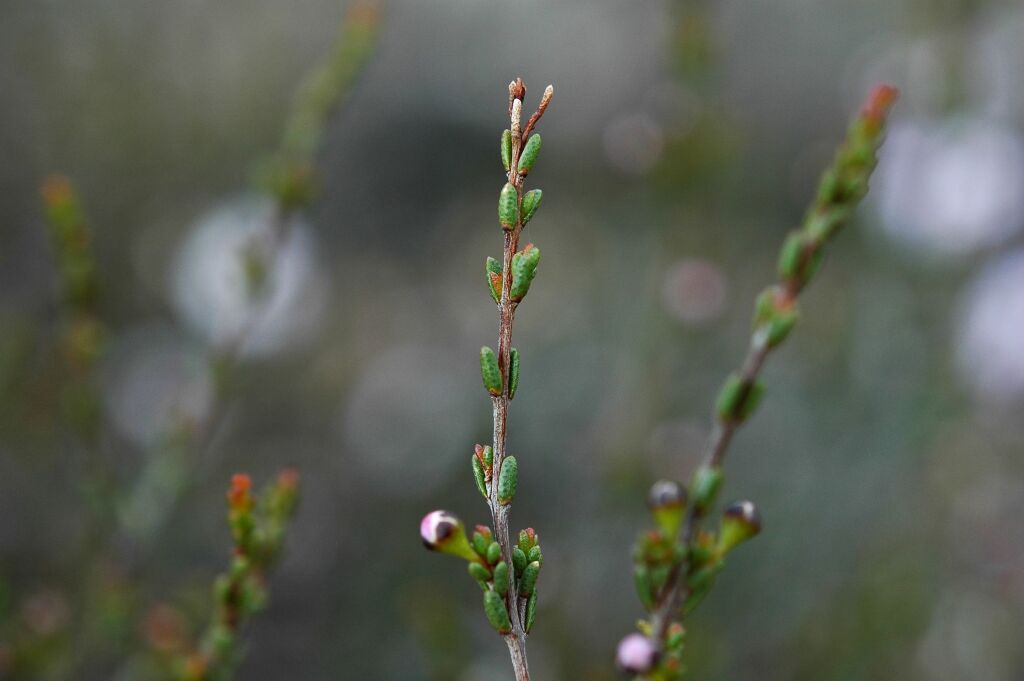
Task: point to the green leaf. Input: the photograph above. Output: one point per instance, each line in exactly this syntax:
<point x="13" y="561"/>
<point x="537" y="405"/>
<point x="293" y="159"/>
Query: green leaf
<point x="524" y="269"/>
<point x="489" y="371"/>
<point x="528" y="582"/>
<point x="508" y="206"/>
<point x="479" y="573"/>
<point x="518" y="560"/>
<point x="479" y="476"/>
<point x="531" y="202"/>
<point x="494" y="278"/>
<point x="497" y="613"/>
<point x="501" y="578"/>
<point x="506" y="149"/>
<point x="704" y="487"/>
<point x="528" y="156"/>
<point x="531" y="612"/>
<point x="508" y="480"/>
<point x="642" y="581"/>
<point x="738" y="398"/>
<point x="513" y="373"/>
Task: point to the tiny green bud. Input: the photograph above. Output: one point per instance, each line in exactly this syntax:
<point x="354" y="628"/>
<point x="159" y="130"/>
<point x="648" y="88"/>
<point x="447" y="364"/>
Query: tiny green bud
<point x="704" y="487"/>
<point x="740" y="521"/>
<point x="508" y="206"/>
<point x="737" y="399"/>
<point x="531" y="611"/>
<point x="479" y="475"/>
<point x="776" y="313"/>
<point x="494" y="279"/>
<point x="518" y="560"/>
<point x="513" y="373"/>
<point x="534" y="555"/>
<point x="493" y="553"/>
<point x="528" y="582"/>
<point x="531" y="202"/>
<point x="527" y="539"/>
<point x="506" y="149"/>
<point x="507" y="480"/>
<point x="479" y="573"/>
<point x="497" y="613"/>
<point x="501" y="578"/>
<point x="488" y="456"/>
<point x="443" y="531"/>
<point x="667" y="501"/>
<point x="524" y="269"/>
<point x="489" y="371"/>
<point x="528" y="156"/>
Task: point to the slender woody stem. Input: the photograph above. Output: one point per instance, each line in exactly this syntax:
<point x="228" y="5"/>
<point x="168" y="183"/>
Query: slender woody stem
<point x="840" y="189"/>
<point x="676" y="590"/>
<point x="516" y="639"/>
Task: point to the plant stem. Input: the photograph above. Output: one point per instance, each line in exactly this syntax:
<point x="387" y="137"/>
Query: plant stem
<point x="675" y="591"/>
<point x="516" y="640"/>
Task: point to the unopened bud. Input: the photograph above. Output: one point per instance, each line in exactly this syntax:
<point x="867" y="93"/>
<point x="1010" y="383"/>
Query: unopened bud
<point x="636" y="654"/>
<point x="443" y="531"/>
<point x="740" y="521"/>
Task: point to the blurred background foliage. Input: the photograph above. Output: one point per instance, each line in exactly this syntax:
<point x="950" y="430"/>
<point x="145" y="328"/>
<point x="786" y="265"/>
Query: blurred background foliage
<point x="684" y="141"/>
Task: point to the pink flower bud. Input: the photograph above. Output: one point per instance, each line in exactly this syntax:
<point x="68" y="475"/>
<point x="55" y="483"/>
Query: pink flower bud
<point x="636" y="654"/>
<point x="438" y="526"/>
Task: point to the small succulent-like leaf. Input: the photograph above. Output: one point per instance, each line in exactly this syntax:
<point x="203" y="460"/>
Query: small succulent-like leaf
<point x="497" y="613"/>
<point x="528" y="582"/>
<point x="506" y="149"/>
<point x="479" y="476"/>
<point x="528" y="156"/>
<point x="518" y="560"/>
<point x="531" y="202"/>
<point x="524" y="269"/>
<point x="513" y="373"/>
<point x="493" y="553"/>
<point x="531" y="612"/>
<point x="642" y="581"/>
<point x="501" y="578"/>
<point x="489" y="371"/>
<point x="508" y="479"/>
<point x="508" y="206"/>
<point x="704" y="487"/>
<point x="494" y="279"/>
<point x="738" y="398"/>
<point x="479" y="573"/>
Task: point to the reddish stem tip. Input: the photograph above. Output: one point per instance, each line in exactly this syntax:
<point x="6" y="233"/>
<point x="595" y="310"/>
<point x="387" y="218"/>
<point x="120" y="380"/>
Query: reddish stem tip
<point x="879" y="102"/>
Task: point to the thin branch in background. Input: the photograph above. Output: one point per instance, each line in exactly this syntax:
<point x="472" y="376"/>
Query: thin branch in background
<point x="289" y="177"/>
<point x="129" y="521"/>
<point x="258" y="528"/>
<point x="674" y="573"/>
<point x="506" y="571"/>
<point x="81" y="334"/>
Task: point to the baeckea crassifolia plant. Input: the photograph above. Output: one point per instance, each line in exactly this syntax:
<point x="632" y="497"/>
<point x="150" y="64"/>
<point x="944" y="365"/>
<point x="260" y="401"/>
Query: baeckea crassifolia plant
<point x="675" y="564"/>
<point x="506" y="571"/>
